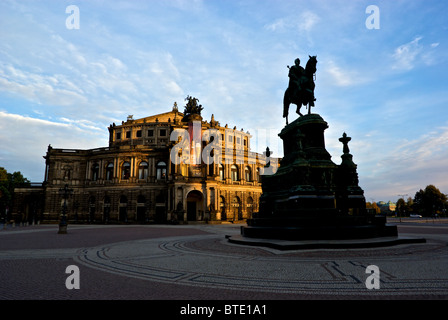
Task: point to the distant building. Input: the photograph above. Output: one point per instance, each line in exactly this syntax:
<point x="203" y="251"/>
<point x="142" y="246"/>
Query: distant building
<point x="387" y="208"/>
<point x="137" y="180"/>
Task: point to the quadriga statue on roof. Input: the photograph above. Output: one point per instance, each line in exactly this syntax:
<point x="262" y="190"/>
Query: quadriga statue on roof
<point x="301" y="86"/>
<point x="192" y="106"/>
<point x="192" y="110"/>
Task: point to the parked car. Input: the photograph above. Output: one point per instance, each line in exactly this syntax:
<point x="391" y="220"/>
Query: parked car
<point x="415" y="216"/>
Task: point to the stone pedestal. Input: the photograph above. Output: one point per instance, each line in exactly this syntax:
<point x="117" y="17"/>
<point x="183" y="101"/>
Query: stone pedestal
<point x="310" y="197"/>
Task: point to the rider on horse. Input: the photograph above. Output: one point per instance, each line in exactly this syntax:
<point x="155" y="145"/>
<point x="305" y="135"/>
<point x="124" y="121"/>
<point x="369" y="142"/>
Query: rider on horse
<point x="301" y="86"/>
<point x="296" y="73"/>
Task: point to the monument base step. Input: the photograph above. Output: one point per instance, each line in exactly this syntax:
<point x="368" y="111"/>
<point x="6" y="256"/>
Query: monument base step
<point x="328" y="232"/>
<point x="323" y="244"/>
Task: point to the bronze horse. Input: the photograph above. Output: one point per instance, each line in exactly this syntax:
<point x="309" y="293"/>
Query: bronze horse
<point x="301" y="91"/>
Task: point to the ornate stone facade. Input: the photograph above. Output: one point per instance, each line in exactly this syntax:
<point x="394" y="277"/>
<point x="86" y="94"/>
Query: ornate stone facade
<point x="136" y="180"/>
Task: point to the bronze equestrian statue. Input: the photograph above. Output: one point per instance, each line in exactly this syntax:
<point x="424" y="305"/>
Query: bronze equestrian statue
<point x="301" y="86"/>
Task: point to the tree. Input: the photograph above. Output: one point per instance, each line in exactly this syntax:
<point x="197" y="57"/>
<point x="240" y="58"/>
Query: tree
<point x="5" y="195"/>
<point x="8" y="182"/>
<point x="401" y="207"/>
<point x="409" y="205"/>
<point x="404" y="208"/>
<point x="430" y="201"/>
<point x="373" y="206"/>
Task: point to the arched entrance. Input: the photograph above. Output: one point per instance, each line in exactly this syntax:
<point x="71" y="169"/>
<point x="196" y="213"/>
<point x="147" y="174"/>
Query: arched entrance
<point x="123" y="209"/>
<point x="141" y="209"/>
<point x="222" y="208"/>
<point x="250" y="207"/>
<point x="161" y="211"/>
<point x="91" y="216"/>
<point x="195" y="206"/>
<point x="31" y="215"/>
<point x="236" y="208"/>
<point x="106" y="209"/>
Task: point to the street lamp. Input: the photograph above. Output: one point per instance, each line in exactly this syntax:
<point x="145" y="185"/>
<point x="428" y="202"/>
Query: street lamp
<point x="66" y="192"/>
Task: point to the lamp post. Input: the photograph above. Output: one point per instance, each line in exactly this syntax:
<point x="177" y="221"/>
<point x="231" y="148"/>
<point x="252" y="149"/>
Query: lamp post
<point x="63" y="222"/>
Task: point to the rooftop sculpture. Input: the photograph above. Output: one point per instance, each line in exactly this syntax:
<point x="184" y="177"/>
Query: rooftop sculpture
<point x="192" y="109"/>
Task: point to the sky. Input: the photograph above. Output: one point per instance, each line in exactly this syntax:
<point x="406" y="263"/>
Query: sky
<point x="66" y="75"/>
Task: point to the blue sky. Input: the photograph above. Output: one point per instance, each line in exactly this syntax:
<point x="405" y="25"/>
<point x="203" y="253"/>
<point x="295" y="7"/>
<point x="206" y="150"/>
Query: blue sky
<point x="386" y="88"/>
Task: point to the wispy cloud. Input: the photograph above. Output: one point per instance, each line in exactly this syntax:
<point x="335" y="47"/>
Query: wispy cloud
<point x="407" y="166"/>
<point x="305" y="22"/>
<point x="49" y="89"/>
<point x="278" y="24"/>
<point x="22" y="149"/>
<point x="343" y="77"/>
<point x="406" y="55"/>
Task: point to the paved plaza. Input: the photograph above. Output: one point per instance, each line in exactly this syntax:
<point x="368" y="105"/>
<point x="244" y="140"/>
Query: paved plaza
<point x="196" y="262"/>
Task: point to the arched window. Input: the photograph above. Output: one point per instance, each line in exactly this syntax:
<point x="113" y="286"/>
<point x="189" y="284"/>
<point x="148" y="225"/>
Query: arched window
<point x="234" y="172"/>
<point x="211" y="165"/>
<point x="126" y="171"/>
<point x="247" y="175"/>
<point x="110" y="171"/>
<point x="95" y="171"/>
<point x="161" y="170"/>
<point x="143" y="170"/>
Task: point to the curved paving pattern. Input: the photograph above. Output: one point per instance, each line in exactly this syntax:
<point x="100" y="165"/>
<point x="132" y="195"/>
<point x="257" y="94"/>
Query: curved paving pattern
<point x="125" y="261"/>
<point x="210" y="261"/>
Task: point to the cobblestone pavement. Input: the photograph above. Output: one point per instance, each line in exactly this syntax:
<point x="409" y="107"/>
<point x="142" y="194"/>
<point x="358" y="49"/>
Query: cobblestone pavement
<point x="196" y="262"/>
